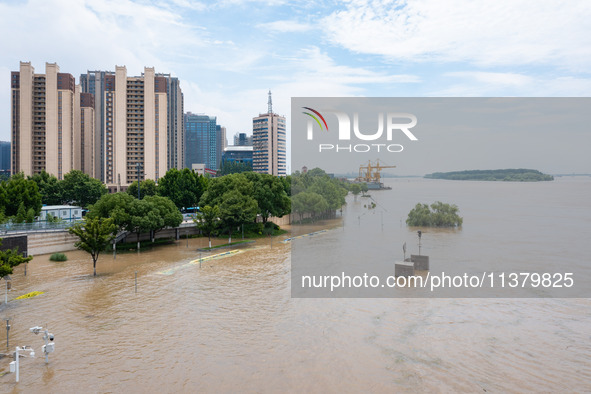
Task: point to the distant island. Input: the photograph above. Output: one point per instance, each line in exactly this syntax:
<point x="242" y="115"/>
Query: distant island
<point x="508" y="175"/>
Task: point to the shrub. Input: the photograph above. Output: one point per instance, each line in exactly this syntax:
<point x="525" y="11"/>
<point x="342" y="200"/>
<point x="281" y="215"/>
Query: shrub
<point x="58" y="257"/>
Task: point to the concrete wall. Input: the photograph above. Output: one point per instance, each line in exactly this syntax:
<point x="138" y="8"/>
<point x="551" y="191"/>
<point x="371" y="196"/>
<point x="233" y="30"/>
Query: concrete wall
<point x="51" y="242"/>
<point x="18" y="241"/>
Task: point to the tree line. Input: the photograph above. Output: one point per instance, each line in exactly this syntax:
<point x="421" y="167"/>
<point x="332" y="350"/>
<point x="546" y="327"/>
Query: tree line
<point x="506" y="175"/>
<point x="21" y="198"/>
<point x="316" y="194"/>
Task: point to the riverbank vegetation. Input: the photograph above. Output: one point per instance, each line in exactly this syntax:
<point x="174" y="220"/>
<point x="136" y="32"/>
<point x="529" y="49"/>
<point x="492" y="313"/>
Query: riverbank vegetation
<point x="437" y="215"/>
<point x="507" y="175"/>
<point x="316" y="195"/>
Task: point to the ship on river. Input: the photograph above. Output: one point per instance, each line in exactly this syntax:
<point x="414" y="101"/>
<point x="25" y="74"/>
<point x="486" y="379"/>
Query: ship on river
<point x="370" y="175"/>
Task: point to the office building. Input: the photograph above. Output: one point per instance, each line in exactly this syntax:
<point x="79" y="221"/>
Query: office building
<point x="204" y="141"/>
<point x="268" y="139"/>
<point x="5" y="157"/>
<point x="241" y="139"/>
<point x="238" y="154"/>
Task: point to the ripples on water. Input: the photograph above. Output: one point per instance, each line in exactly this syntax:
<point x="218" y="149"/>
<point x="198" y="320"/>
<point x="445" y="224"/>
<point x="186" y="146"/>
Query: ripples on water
<point x="232" y="326"/>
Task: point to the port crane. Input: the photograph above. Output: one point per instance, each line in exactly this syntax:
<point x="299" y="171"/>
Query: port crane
<point x="371" y="172"/>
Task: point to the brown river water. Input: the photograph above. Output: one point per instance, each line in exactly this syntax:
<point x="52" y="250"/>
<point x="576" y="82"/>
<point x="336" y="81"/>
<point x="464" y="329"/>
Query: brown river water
<point x="232" y="326"/>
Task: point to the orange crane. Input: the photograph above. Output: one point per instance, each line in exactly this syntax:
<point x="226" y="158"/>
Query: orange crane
<point x="371" y="172"/>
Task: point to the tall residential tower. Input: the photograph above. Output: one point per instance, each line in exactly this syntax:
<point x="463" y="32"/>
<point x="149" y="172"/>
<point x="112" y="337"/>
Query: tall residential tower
<point x="43" y="120"/>
<point x="138" y="120"/>
<point x="268" y="139"/>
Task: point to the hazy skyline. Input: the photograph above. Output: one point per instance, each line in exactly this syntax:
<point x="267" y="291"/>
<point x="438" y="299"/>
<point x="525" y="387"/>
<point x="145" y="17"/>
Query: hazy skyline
<point x="228" y="54"/>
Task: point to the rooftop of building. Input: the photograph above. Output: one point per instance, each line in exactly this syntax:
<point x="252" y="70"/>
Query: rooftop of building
<point x="238" y="148"/>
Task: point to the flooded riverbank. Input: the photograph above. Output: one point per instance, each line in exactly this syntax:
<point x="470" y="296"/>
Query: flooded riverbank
<point x="231" y="325"/>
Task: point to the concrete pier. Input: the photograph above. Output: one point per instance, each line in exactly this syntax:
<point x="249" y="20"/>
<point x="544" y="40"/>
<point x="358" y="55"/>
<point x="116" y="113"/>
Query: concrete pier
<point x="421" y="263"/>
<point x="404" y="268"/>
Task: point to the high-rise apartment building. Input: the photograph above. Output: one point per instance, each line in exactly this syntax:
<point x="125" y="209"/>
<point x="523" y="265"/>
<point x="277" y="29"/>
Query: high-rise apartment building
<point x="131" y="124"/>
<point x="43" y="121"/>
<point x="204" y="141"/>
<point x="153" y="120"/>
<point x="84" y="155"/>
<point x="95" y="83"/>
<point x="175" y="127"/>
<point x="268" y="140"/>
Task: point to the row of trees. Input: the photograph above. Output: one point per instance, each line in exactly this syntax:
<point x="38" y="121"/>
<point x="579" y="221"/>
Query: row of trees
<point x="506" y="175"/>
<point x="227" y="202"/>
<point x="233" y="200"/>
<point x="21" y="197"/>
<point x="152" y="213"/>
<point x="317" y="194"/>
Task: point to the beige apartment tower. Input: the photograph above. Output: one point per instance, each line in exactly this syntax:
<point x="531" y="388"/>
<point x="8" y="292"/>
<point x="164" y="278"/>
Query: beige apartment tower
<point x="135" y="137"/>
<point x="43" y="120"/>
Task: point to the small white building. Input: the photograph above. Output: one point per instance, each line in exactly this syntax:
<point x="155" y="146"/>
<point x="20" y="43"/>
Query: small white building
<point x="64" y="212"/>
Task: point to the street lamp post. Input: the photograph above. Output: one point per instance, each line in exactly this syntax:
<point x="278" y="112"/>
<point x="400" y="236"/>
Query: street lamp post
<point x="15" y="365"/>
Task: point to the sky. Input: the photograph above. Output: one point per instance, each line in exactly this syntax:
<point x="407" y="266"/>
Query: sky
<point x="229" y="53"/>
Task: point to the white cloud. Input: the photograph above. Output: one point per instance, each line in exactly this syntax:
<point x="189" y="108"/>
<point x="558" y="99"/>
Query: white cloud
<point x="477" y="84"/>
<point x="484" y="32"/>
<point x="285" y="26"/>
<point x="98" y="33"/>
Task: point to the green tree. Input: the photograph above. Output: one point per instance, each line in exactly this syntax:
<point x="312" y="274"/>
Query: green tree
<point x="165" y="212"/>
<point x="17" y="191"/>
<point x="232" y="167"/>
<point x="30" y="218"/>
<point x="147" y="188"/>
<point x="79" y="189"/>
<point x="355" y="189"/>
<point x="237" y="209"/>
<point x="94" y="235"/>
<point x="9" y="259"/>
<point x="21" y="214"/>
<point x="309" y="203"/>
<point x="115" y="206"/>
<point x="184" y="187"/>
<point x="218" y="187"/>
<point x="269" y="193"/>
<point x="364" y="188"/>
<point x="153" y="213"/>
<point x="437" y="215"/>
<point x="207" y="220"/>
<point x="333" y="193"/>
<point x="48" y="187"/>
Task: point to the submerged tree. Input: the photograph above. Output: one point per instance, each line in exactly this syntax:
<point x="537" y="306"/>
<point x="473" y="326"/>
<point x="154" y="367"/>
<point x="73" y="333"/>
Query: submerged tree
<point x="94" y="235"/>
<point x="437" y="215"/>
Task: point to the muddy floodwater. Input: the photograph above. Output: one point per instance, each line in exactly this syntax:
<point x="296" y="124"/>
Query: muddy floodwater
<point x="230" y="325"/>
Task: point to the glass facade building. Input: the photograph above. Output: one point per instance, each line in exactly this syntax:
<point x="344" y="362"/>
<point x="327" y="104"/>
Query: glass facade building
<point x="203" y="142"/>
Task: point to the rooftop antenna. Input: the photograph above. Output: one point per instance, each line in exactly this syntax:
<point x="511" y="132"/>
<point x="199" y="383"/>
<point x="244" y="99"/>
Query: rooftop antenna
<point x="270" y="103"/>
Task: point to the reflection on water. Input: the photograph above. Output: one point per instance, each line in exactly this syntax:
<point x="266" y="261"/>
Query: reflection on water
<point x="231" y="325"/>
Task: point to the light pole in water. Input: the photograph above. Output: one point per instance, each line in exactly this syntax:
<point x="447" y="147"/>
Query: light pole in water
<point x="419" y="233"/>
